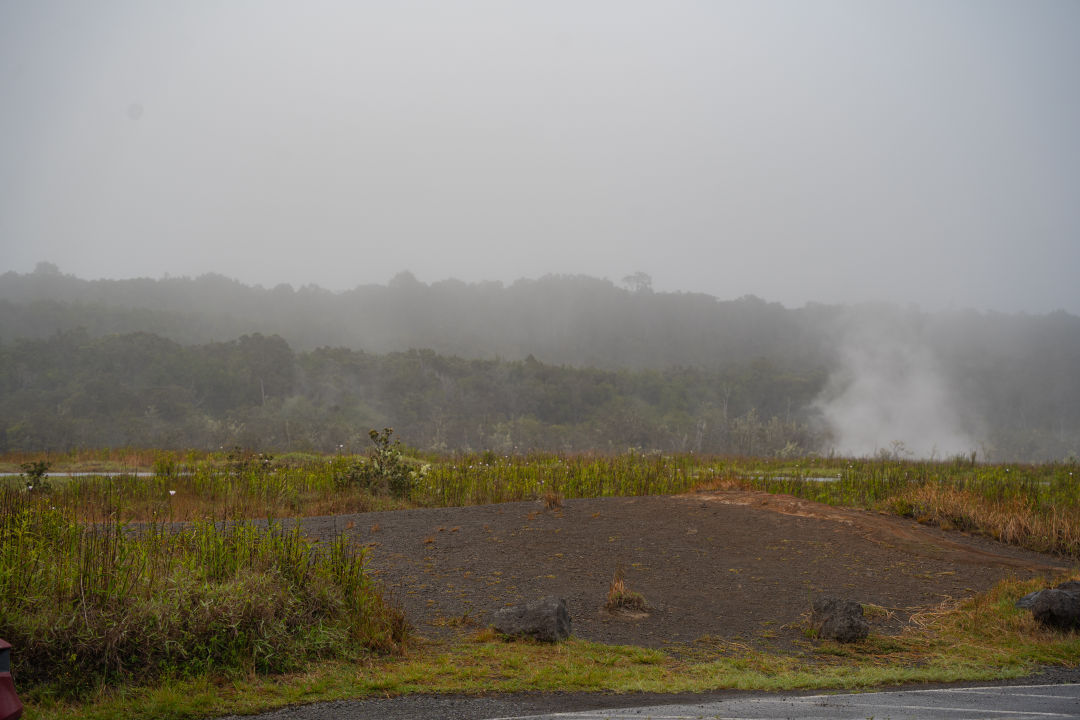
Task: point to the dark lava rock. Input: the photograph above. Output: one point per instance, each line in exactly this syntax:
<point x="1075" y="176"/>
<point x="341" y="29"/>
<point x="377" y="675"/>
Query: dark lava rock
<point x="1057" y="608"/>
<point x="839" y="619"/>
<point x="1028" y="601"/>
<point x="546" y="620"/>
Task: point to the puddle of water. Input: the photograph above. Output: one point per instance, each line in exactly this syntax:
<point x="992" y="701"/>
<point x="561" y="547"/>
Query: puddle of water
<point x="781" y="478"/>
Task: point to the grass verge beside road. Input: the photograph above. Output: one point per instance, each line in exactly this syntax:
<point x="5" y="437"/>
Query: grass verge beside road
<point x="981" y="639"/>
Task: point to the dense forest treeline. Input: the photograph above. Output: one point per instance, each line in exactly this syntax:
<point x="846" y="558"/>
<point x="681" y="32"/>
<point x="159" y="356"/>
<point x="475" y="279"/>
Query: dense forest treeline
<point x="72" y="390"/>
<point x="562" y="362"/>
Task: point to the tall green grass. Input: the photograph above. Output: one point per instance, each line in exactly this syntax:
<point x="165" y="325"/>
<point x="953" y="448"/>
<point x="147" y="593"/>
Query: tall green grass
<point x="175" y="488"/>
<point x="488" y="478"/>
<point x="224" y="486"/>
<point x="88" y="605"/>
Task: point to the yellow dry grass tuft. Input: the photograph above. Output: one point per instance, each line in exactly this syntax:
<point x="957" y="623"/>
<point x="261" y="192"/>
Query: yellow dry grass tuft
<point x="621" y="598"/>
<point x="552" y="500"/>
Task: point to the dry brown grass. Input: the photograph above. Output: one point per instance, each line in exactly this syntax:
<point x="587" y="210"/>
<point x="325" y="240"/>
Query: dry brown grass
<point x="622" y="599"/>
<point x="486" y="635"/>
<point x="726" y="481"/>
<point x="552" y="500"/>
<point x="1022" y="521"/>
<point x="1009" y="520"/>
<point x="87" y="460"/>
<point x="185" y="506"/>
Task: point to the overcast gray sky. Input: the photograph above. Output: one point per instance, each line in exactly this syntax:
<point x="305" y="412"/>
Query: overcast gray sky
<point x="915" y="151"/>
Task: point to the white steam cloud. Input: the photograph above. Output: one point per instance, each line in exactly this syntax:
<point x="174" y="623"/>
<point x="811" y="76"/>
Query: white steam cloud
<point x="889" y="395"/>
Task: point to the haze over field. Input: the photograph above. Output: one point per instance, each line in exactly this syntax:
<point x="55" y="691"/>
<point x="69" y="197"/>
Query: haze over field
<point x="835" y="151"/>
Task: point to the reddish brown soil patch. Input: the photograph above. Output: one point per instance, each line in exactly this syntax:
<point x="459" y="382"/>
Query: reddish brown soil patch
<point x="739" y="566"/>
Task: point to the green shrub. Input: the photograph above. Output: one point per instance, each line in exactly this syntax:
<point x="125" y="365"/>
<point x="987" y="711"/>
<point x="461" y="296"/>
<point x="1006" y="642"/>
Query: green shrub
<point x="384" y="471"/>
<point x="111" y="604"/>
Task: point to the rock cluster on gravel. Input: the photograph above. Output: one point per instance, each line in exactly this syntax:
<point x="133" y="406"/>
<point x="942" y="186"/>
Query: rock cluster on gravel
<point x="546" y="620"/>
<point x="1057" y="607"/>
<point x="839" y="619"/>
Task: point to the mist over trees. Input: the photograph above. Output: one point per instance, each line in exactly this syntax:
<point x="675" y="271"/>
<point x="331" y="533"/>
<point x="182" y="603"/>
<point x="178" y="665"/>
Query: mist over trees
<point x="573" y="320"/>
<point x="563" y="362"/>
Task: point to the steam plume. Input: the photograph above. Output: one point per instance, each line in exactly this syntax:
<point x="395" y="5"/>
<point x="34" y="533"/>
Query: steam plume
<point x="888" y="394"/>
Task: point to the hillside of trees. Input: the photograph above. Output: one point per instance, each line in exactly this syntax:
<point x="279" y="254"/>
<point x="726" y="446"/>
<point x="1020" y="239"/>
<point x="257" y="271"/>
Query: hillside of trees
<point x="564" y="362"/>
<point x="140" y="389"/>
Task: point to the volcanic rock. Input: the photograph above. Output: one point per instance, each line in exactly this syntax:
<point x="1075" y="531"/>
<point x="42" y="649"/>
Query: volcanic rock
<point x="839" y="619"/>
<point x="546" y="620"/>
<point x="1028" y="601"/>
<point x="1058" y="608"/>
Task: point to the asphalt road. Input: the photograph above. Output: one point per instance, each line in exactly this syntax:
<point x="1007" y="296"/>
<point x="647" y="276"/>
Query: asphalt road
<point x="1030" y="701"/>
<point x="1022" y="702"/>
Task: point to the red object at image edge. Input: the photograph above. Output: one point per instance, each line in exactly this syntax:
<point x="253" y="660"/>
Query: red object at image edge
<point x="11" y="708"/>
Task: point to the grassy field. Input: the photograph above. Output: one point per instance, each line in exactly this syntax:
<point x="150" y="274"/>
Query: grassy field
<point x="1034" y="506"/>
<point x="116" y="612"/>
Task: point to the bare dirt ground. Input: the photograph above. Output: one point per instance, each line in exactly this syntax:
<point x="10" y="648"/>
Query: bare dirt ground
<point x="736" y="566"/>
